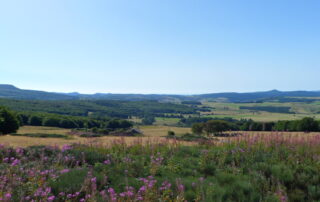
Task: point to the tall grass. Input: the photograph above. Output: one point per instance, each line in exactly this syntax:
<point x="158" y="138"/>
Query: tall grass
<point x="256" y="167"/>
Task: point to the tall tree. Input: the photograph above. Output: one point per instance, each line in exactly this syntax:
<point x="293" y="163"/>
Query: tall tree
<point x="9" y="122"/>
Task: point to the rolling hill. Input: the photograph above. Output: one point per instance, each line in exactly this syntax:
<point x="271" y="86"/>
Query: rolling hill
<point x="12" y="92"/>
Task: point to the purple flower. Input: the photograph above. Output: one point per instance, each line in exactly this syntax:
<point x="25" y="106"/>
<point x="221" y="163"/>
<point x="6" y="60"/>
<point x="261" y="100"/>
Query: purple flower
<point x="165" y="185"/>
<point x="111" y="191"/>
<point x="15" y="162"/>
<point x="107" y="162"/>
<point x="142" y="189"/>
<point x="66" y="147"/>
<point x="51" y="198"/>
<point x="94" y="180"/>
<point x="64" y="171"/>
<point x="8" y="195"/>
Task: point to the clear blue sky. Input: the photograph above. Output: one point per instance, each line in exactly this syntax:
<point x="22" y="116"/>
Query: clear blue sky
<point x="160" y="46"/>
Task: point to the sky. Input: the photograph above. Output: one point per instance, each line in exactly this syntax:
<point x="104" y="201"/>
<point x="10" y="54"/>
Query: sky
<point x="160" y="46"/>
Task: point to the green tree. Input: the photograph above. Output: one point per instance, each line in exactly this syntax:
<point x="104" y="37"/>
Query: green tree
<point x="125" y="124"/>
<point x="35" y="121"/>
<point x="113" y="124"/>
<point x="148" y="120"/>
<point x="51" y="121"/>
<point x="308" y="124"/>
<point x="9" y="122"/>
<point x="197" y="128"/>
<point x="216" y="126"/>
<point x="171" y="133"/>
<point x="67" y="123"/>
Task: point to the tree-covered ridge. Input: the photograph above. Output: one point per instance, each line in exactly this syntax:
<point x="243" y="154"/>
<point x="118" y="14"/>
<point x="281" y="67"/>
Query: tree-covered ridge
<point x="97" y="108"/>
<point x="12" y="92"/>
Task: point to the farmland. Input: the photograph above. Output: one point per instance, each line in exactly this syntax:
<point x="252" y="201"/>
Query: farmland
<point x="85" y="150"/>
<point x="150" y="133"/>
<point x="233" y="110"/>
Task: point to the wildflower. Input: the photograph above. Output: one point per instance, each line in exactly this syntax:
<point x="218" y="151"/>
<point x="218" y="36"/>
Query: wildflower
<point x="94" y="180"/>
<point x="51" y="198"/>
<point x="19" y="151"/>
<point x="15" y="162"/>
<point x="107" y="162"/>
<point x="8" y="196"/>
<point x="66" y="147"/>
<point x="165" y="186"/>
<point x="142" y="189"/>
<point x="64" y="171"/>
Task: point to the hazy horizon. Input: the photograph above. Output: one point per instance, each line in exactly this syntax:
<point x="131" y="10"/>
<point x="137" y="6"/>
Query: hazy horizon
<point x="69" y="92"/>
<point x="160" y="47"/>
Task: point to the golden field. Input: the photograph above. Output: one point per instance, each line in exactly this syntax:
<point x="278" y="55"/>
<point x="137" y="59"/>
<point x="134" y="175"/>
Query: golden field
<point x="151" y="134"/>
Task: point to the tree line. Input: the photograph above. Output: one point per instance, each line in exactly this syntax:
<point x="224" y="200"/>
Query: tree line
<point x="62" y="121"/>
<point x="98" y="108"/>
<point x="306" y="124"/>
<point x="10" y="121"/>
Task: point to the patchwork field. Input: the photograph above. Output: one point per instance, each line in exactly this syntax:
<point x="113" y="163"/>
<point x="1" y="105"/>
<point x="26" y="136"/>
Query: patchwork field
<point x="234" y="110"/>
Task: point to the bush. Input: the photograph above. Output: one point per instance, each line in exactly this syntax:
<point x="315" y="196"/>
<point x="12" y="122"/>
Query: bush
<point x="171" y="133"/>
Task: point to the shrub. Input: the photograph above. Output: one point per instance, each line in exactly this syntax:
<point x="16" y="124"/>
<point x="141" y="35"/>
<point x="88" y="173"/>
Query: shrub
<point x="171" y="133"/>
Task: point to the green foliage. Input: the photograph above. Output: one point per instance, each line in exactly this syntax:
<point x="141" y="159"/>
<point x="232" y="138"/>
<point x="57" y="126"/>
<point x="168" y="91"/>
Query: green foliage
<point x="51" y="121"/>
<point x="148" y="120"/>
<point x="197" y="128"/>
<point x="241" y="171"/>
<point x="69" y="182"/>
<point x="191" y="102"/>
<point x="308" y="124"/>
<point x="171" y="133"/>
<point x="9" y="122"/>
<point x="216" y="126"/>
<point x="35" y="120"/>
<point x="98" y="108"/>
<point x="190" y="137"/>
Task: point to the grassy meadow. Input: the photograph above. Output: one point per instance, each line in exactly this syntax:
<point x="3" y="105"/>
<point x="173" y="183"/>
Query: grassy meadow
<point x="251" y="167"/>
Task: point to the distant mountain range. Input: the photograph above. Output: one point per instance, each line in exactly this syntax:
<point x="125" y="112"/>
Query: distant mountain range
<point x="12" y="92"/>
